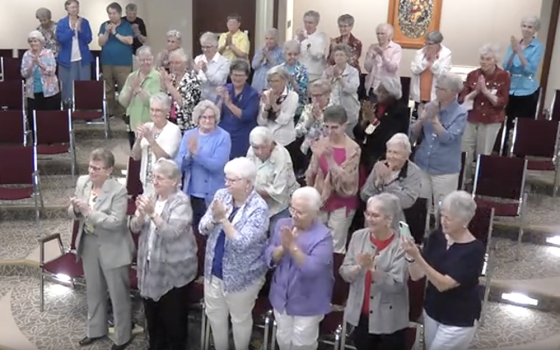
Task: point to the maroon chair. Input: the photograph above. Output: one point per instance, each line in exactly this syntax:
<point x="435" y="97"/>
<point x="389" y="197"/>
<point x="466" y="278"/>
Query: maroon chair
<point x="134" y="186"/>
<point x="11" y="68"/>
<point x="54" y="135"/>
<point x="89" y="103"/>
<point x="196" y="293"/>
<point x="416" y="217"/>
<point x="555" y="112"/>
<point x="463" y="173"/>
<point x="416" y="294"/>
<point x="333" y="325"/>
<point x="13" y="130"/>
<point x="11" y="95"/>
<point x="66" y="267"/>
<point x="499" y="183"/>
<point x="6" y="53"/>
<point x="133" y="272"/>
<point x="537" y="140"/>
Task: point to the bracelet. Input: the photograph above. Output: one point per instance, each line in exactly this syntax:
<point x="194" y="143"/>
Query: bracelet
<point x="409" y="260"/>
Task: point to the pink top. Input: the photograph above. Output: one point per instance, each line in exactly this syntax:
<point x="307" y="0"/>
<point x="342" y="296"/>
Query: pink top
<point x="173" y="112"/>
<point x="378" y="67"/>
<point x="335" y="201"/>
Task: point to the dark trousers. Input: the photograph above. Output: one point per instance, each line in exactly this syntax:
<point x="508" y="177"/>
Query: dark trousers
<point x="518" y="107"/>
<point x="299" y="160"/>
<point x="131" y="138"/>
<point x="167" y="320"/>
<point x="199" y="209"/>
<point x="363" y="340"/>
<point x="41" y="103"/>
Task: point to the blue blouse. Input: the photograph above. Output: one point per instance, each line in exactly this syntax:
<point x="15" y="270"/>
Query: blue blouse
<point x="261" y="67"/>
<point x="524" y="81"/>
<point x="37" y="83"/>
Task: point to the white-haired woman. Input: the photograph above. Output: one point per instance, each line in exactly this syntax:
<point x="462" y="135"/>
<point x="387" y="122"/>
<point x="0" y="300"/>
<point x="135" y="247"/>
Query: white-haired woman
<point x="345" y="26"/>
<point x="138" y="88"/>
<point x="38" y="68"/>
<point x="301" y="253"/>
<point x="345" y="81"/>
<point x="183" y="86"/>
<point x="203" y="153"/>
<point x="275" y="180"/>
<point x="213" y="68"/>
<point x="522" y="61"/>
<point x="167" y="257"/>
<point x="314" y="44"/>
<point x="47" y="27"/>
<point x="156" y="139"/>
<point x="174" y="40"/>
<point x="440" y="128"/>
<point x="265" y="58"/>
<point x="376" y="269"/>
<point x="485" y="95"/>
<point x="451" y="260"/>
<point x="236" y="224"/>
<point x="299" y="78"/>
<point x="428" y="64"/>
<point x="382" y="59"/>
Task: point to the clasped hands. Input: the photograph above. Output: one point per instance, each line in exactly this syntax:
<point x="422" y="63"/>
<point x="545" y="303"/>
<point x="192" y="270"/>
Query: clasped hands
<point x="145" y="206"/>
<point x="218" y="211"/>
<point x="80" y="206"/>
<point x="288" y="238"/>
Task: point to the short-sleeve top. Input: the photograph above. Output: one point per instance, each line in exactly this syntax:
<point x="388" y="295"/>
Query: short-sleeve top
<point x="463" y="262"/>
<point x="115" y="52"/>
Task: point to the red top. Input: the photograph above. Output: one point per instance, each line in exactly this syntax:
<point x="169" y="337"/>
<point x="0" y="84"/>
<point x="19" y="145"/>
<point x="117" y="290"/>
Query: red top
<point x="380" y="245"/>
<point x="336" y="201"/>
<point x="173" y="112"/>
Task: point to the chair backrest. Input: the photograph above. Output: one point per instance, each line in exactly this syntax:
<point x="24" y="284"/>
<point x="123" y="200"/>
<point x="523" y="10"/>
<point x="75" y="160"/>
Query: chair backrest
<point x="6" y="53"/>
<point x="463" y="171"/>
<point x="341" y="287"/>
<point x="52" y="127"/>
<point x="416" y="217"/>
<point x="11" y="95"/>
<point x="416" y="292"/>
<point x="75" y="231"/>
<point x="21" y="52"/>
<point x="12" y="131"/>
<point x="11" y="68"/>
<point x="536" y="138"/>
<point x="133" y="184"/>
<point x="89" y="95"/>
<point x="22" y="166"/>
<point x="481" y="224"/>
<point x="500" y="177"/>
<point x="555" y="111"/>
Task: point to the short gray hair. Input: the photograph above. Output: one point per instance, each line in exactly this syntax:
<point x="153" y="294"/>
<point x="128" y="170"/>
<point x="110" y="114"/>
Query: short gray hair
<point x="261" y="136"/>
<point x="389" y="205"/>
<point x="490" y="49"/>
<point x="292" y="46"/>
<point x="202" y="107"/>
<point x="451" y="82"/>
<point x="273" y="32"/>
<point x="313" y="14"/>
<point x="346" y="19"/>
<point x="209" y="38"/>
<point x="174" y="34"/>
<point x="311" y="196"/>
<point x="401" y="140"/>
<point x="167" y="168"/>
<point x="532" y="20"/>
<point x="342" y="47"/>
<point x="103" y="155"/>
<point x="335" y="114"/>
<point x="162" y="99"/>
<point x="36" y="35"/>
<point x="243" y="168"/>
<point x="43" y="13"/>
<point x="387" y="26"/>
<point x="434" y="36"/>
<point x="321" y="84"/>
<point x="279" y="71"/>
<point x="144" y="51"/>
<point x="392" y="85"/>
<point x="459" y="204"/>
<point x="131" y="7"/>
<point x="240" y="66"/>
<point x="180" y="54"/>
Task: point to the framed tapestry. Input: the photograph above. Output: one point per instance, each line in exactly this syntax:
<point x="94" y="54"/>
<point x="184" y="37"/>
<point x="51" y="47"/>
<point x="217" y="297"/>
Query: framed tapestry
<point x="413" y="19"/>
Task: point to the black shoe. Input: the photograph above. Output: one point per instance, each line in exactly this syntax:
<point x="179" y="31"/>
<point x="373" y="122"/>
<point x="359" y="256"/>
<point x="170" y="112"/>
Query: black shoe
<point x="88" y="340"/>
<point x="121" y="347"/>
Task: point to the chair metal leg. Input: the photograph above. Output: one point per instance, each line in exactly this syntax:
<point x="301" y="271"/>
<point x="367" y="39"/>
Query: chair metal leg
<point x="343" y="335"/>
<point x="207" y="331"/>
<point x="42" y="292"/>
<point x="521" y="224"/>
<point x="202" y="325"/>
<point x="273" y="337"/>
<point x="336" y="345"/>
<point x="555" y="182"/>
<point x="267" y="322"/>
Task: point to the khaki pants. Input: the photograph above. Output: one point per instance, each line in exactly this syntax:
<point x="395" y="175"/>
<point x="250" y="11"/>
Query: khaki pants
<point x="436" y="187"/>
<point x="114" y="75"/>
<point x="339" y="223"/>
<point x="478" y="139"/>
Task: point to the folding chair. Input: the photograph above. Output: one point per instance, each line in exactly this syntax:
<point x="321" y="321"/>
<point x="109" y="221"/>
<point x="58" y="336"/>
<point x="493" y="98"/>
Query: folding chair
<point x="133" y="184"/>
<point x="415" y="330"/>
<point x="333" y="325"/>
<point x="416" y="217"/>
<point x="555" y="106"/>
<point x="405" y="88"/>
<point x="13" y="130"/>
<point x="481" y="227"/>
<point x="196" y="294"/>
<point x="6" y="53"/>
<point x="66" y="266"/>
<point x="54" y="135"/>
<point x="11" y="68"/>
<point x="89" y="103"/>
<point x="11" y="95"/>
<point x="463" y="174"/>
<point x="499" y="183"/>
<point x="537" y="140"/>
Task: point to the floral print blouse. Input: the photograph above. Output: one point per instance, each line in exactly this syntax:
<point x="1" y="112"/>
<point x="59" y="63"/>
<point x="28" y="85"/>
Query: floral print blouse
<point x="48" y="73"/>
<point x="190" y="90"/>
<point x="299" y="72"/>
<point x="50" y="37"/>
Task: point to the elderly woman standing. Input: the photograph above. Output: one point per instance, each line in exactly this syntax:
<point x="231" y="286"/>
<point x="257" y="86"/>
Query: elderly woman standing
<point x="440" y="126"/>
<point x="105" y="246"/>
<point x="301" y="253"/>
<point x="298" y="74"/>
<point x="382" y="59"/>
<point x="430" y="62"/>
<point x="234" y="44"/>
<point x="203" y="153"/>
<point x="265" y="58"/>
<point x="38" y="68"/>
<point x="212" y="68"/>
<point x="173" y="44"/>
<point x="345" y="81"/>
<point x="333" y="171"/>
<point x="345" y="26"/>
<point x="487" y="92"/>
<point x="74" y="35"/>
<point x="183" y="87"/>
<point x="138" y="88"/>
<point x="452" y="260"/>
<point x="236" y="224"/>
<point x="47" y="27"/>
<point x="376" y="269"/>
<point x="275" y="180"/>
<point x="155" y="140"/>
<point x="239" y="103"/>
<point x="314" y="44"/>
<point x="167" y="257"/>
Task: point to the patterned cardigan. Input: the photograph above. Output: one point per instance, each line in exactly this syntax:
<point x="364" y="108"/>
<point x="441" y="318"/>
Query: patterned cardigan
<point x="190" y="90"/>
<point x="173" y="259"/>
<point x="48" y="74"/>
<point x="243" y="262"/>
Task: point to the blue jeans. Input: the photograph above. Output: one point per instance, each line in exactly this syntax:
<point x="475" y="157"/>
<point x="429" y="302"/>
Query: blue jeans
<point x="67" y="76"/>
<point x="274" y="219"/>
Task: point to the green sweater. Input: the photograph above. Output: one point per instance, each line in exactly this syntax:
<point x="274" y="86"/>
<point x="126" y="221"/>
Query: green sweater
<point x="138" y="107"/>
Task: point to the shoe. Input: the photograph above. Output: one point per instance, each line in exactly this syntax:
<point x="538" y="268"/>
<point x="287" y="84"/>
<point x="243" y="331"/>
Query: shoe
<point x="121" y="347"/>
<point x="88" y="341"/>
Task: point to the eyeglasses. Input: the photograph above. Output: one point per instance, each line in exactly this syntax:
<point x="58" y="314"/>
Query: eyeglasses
<point x="95" y="168"/>
<point x="232" y="181"/>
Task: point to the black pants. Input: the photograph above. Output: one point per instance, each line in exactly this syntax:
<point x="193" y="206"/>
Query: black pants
<point x="41" y="103"/>
<point x="167" y="320"/>
<point x="199" y="209"/>
<point x="519" y="107"/>
<point x="363" y="340"/>
<point x="299" y="160"/>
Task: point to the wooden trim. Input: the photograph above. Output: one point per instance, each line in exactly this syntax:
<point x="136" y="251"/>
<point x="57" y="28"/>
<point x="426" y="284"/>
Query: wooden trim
<point x="547" y="61"/>
<point x="413" y="22"/>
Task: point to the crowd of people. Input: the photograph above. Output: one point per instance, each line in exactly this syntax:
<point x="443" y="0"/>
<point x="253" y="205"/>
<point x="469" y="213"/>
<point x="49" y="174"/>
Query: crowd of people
<point x="276" y="159"/>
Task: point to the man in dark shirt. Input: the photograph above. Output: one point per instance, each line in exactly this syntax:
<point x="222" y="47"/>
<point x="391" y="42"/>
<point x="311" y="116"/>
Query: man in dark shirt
<point x="138" y="25"/>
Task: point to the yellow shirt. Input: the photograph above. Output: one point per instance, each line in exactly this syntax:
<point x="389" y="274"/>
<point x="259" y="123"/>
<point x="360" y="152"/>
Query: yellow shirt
<point x="239" y="39"/>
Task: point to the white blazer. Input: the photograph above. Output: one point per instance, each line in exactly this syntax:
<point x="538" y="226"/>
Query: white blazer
<point x="441" y="65"/>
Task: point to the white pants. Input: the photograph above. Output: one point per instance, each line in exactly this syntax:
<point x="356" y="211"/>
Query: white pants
<point x="436" y="187"/>
<point x="220" y="305"/>
<point x="297" y="332"/>
<point x="478" y="139"/>
<point x="442" y="337"/>
<point x="339" y="224"/>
